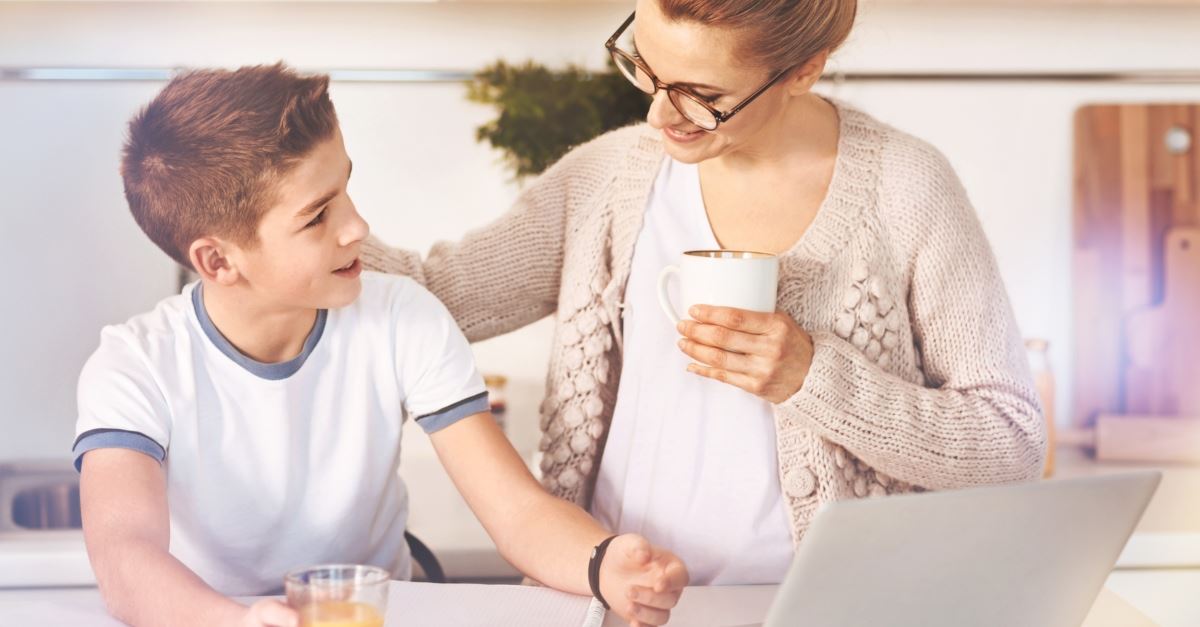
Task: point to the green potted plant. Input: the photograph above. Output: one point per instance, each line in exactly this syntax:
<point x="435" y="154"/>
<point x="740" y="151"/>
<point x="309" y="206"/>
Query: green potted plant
<point x="543" y="113"/>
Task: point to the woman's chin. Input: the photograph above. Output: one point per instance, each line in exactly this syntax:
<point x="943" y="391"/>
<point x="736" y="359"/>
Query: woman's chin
<point x="701" y="147"/>
<point x="688" y="154"/>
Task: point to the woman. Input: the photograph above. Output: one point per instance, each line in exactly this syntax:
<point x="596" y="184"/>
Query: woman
<point x="893" y="363"/>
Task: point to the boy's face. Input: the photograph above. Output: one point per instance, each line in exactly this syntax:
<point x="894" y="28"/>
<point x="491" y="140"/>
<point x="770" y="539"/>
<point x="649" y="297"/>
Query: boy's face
<point x="309" y="241"/>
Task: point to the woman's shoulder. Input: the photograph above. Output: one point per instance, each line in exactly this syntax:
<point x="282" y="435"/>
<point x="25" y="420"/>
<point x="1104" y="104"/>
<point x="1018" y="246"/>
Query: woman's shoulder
<point x="910" y="172"/>
<point x="901" y="156"/>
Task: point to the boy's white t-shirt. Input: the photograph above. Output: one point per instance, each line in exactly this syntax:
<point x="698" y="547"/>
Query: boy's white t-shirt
<point x="272" y="467"/>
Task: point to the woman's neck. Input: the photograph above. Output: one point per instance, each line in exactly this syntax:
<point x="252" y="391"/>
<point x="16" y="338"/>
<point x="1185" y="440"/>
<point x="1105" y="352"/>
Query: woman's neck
<point x="807" y="133"/>
<point x="767" y="197"/>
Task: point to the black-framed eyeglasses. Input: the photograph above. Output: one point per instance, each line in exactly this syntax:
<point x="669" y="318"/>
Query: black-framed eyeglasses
<point x="688" y="104"/>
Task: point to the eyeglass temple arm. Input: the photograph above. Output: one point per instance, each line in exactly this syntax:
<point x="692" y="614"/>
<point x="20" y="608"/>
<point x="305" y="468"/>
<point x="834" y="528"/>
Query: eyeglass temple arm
<point x="721" y="117"/>
<point x="612" y="41"/>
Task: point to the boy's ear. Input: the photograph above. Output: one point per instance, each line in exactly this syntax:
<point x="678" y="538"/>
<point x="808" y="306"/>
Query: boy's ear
<point x="804" y="77"/>
<point x="210" y="259"/>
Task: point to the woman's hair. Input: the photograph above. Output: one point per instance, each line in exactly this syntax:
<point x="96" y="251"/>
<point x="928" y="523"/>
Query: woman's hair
<point x="778" y="34"/>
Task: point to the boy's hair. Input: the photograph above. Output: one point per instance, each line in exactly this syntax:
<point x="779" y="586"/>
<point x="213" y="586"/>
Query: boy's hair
<point x="204" y="157"/>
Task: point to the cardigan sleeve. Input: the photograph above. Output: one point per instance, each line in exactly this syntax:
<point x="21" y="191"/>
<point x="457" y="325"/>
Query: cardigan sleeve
<point x="976" y="419"/>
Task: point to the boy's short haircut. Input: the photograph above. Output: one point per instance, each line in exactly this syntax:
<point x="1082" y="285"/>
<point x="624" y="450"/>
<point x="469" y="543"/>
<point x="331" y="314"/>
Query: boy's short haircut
<point x="205" y="156"/>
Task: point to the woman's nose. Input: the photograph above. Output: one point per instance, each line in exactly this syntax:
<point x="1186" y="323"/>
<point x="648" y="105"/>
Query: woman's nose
<point x="662" y="112"/>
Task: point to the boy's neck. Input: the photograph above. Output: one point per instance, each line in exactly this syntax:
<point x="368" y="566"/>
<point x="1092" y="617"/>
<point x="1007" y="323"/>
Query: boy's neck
<point x="265" y="333"/>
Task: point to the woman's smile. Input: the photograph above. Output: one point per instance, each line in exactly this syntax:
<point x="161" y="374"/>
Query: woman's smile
<point x="682" y="137"/>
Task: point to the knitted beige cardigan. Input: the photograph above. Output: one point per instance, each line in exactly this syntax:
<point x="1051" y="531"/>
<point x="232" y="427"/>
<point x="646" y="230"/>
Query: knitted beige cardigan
<point x="919" y="378"/>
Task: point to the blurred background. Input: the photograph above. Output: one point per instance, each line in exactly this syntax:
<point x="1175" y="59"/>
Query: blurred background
<point x="1014" y="92"/>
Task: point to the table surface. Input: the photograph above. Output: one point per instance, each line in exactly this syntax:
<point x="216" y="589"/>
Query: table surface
<point x="1130" y="599"/>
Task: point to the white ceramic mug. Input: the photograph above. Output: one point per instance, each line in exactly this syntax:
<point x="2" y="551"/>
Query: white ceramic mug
<point x="724" y="278"/>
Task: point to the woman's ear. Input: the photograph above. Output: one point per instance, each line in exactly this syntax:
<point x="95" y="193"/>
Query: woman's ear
<point x="807" y="74"/>
<point x="211" y="260"/>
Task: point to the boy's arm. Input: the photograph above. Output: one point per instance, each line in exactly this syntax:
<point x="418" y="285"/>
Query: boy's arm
<point x="126" y="528"/>
<point x="550" y="539"/>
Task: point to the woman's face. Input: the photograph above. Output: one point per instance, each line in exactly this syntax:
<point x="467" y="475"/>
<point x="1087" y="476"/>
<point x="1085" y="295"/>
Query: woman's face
<point x="706" y="59"/>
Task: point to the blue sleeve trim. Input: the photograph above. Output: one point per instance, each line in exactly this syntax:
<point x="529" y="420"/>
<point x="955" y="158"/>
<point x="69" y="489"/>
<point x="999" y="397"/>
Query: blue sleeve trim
<point x="270" y="372"/>
<point x="115" y="438"/>
<point x="447" y="416"/>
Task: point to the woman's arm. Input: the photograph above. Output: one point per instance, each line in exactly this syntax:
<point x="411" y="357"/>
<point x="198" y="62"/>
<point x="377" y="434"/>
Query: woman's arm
<point x="977" y="422"/>
<point x="123" y="497"/>
<point x="507" y="274"/>
<point x="976" y="418"/>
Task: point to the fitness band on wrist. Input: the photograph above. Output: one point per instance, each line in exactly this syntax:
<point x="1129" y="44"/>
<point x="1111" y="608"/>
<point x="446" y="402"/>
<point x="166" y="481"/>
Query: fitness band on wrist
<point x="594" y="569"/>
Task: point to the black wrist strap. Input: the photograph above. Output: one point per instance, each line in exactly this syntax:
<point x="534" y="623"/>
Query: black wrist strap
<point x="594" y="569"/>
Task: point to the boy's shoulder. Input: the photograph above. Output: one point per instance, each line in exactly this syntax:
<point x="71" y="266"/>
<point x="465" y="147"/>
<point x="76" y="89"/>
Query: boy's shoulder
<point x="135" y="363"/>
<point x="397" y="311"/>
<point x="393" y="298"/>
<point x="380" y="287"/>
<point x="154" y="331"/>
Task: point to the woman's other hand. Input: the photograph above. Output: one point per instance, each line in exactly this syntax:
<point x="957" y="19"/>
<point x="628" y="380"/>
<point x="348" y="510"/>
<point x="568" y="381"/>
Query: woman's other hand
<point x="640" y="581"/>
<point x="766" y="354"/>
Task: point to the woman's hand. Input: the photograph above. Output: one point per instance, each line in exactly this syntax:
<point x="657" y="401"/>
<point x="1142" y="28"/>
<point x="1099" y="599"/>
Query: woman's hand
<point x="766" y="354"/>
<point x="641" y="582"/>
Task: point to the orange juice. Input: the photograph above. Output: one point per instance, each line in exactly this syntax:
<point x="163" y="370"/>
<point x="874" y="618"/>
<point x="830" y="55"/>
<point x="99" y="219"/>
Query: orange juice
<point x="340" y="614"/>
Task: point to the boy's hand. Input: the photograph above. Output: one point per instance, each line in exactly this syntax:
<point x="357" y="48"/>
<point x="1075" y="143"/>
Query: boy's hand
<point x="641" y="582"/>
<point x="270" y="613"/>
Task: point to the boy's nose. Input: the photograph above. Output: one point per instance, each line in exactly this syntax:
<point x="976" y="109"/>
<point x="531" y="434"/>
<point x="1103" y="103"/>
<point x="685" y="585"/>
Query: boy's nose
<point x="355" y="230"/>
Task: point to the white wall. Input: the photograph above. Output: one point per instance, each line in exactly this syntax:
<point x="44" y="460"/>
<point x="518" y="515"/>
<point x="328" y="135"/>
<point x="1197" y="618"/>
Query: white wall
<point x="73" y="259"/>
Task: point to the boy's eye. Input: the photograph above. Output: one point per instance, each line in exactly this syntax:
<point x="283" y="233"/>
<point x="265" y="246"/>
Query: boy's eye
<point x="319" y="218"/>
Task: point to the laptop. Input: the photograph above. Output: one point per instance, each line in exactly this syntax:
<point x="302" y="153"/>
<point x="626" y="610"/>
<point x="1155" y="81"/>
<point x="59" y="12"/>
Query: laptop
<point x="1025" y="555"/>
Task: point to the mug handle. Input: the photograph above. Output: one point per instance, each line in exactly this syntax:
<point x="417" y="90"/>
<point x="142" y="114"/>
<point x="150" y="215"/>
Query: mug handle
<point x="663" y="298"/>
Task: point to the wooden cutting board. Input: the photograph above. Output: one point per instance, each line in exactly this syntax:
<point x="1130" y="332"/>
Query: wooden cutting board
<point x="1133" y="186"/>
<point x="1162" y="371"/>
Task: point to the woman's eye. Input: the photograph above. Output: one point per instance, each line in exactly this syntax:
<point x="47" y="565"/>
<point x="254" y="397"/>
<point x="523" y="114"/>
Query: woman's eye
<point x="319" y="218"/>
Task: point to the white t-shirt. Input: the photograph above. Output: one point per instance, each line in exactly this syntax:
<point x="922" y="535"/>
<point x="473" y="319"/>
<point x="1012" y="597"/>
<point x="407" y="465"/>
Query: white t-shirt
<point x="272" y="467"/>
<point x="690" y="463"/>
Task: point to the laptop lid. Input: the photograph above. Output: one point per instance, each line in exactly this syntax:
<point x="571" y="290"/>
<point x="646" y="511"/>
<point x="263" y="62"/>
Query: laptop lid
<point x="1028" y="554"/>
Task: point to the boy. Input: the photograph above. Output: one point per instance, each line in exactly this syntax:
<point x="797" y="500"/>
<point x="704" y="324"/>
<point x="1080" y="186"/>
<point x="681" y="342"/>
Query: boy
<point x="251" y="424"/>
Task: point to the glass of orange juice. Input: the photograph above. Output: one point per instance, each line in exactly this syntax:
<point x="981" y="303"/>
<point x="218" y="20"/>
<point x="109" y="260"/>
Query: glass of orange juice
<point x="338" y="595"/>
